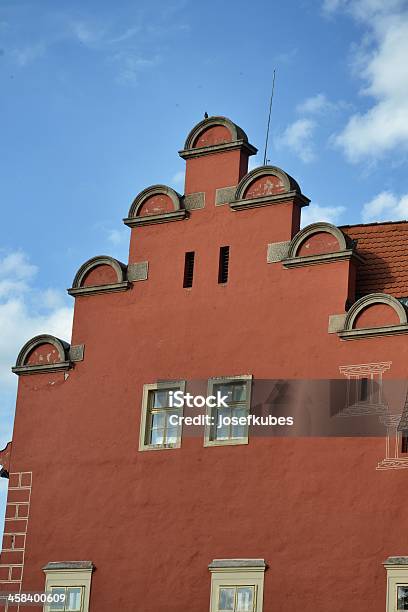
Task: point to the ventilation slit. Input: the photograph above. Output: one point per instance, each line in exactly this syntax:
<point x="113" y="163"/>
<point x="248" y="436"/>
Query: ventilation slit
<point x="188" y="269"/>
<point x="223" y="265"/>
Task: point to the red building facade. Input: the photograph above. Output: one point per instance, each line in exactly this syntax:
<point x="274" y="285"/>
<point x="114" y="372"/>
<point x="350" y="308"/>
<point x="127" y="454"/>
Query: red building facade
<point x="221" y="287"/>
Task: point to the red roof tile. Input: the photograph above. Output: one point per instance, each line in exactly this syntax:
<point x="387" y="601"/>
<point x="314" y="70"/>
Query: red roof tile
<point x="384" y="247"/>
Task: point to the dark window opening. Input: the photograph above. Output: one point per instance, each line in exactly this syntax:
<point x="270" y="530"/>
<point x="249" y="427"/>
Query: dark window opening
<point x="363" y="390"/>
<point x="223" y="265"/>
<point x="188" y="269"/>
<point x="404" y="441"/>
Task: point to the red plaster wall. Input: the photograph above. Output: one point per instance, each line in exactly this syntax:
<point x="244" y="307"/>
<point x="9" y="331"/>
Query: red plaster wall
<point x="156" y="205"/>
<point x="100" y="275"/>
<point x="43" y="354"/>
<point x="152" y="521"/>
<point x="376" y="316"/>
<point x="267" y="185"/>
<point x="213" y="136"/>
<point x="321" y="242"/>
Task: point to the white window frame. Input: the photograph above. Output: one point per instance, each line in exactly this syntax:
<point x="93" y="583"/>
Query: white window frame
<point x="176" y="385"/>
<point x="211" y="412"/>
<point x="397" y="575"/>
<point x="66" y="574"/>
<point x="237" y="573"/>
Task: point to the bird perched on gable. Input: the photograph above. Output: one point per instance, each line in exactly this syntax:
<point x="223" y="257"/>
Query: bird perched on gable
<point x="205" y="115"/>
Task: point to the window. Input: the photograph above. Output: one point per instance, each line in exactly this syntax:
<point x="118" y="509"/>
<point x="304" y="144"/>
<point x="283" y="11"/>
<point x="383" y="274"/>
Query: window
<point x="157" y="428"/>
<point x="72" y="581"/>
<point x="402" y="597"/>
<point x="404" y="441"/>
<point x="229" y="424"/>
<point x="72" y="599"/>
<point x="397" y="583"/>
<point x="236" y="598"/>
<point x="188" y="269"/>
<point x="223" y="265"/>
<point x="237" y="585"/>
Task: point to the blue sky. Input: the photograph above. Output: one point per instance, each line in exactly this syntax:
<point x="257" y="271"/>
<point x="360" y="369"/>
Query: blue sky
<point x="96" y="100"/>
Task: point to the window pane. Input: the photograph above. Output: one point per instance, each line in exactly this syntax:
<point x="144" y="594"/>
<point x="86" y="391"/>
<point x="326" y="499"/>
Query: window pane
<point x="160" y="399"/>
<point x="226" y="601"/>
<point x="402" y="598"/>
<point x="222" y="430"/>
<point x="73" y="602"/>
<point x="245" y="599"/>
<point x="157" y="436"/>
<point x="225" y="390"/>
<point x="239" y="394"/>
<point x="158" y="419"/>
<point x="58" y="605"/>
<point x="239" y="431"/>
<point x="172" y="435"/>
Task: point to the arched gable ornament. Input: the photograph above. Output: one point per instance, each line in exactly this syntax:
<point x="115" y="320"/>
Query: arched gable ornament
<point x="236" y="139"/>
<point x="121" y="283"/>
<point x="177" y="211"/>
<point x="61" y="347"/>
<point x="265" y="186"/>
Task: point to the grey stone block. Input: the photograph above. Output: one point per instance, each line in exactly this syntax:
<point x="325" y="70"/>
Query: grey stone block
<point x="225" y="195"/>
<point x="194" y="201"/>
<point x="277" y="251"/>
<point x="76" y="352"/>
<point x="138" y="271"/>
<point x="336" y="323"/>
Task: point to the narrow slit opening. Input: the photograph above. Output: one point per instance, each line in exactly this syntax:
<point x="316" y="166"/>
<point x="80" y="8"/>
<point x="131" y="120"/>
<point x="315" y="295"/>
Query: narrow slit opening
<point x="188" y="269"/>
<point x="223" y="265"/>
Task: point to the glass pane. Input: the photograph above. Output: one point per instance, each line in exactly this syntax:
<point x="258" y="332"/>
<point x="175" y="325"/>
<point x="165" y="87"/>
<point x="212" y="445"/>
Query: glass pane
<point x="161" y="399"/>
<point x="226" y="600"/>
<point x="171" y="436"/>
<point x="239" y="431"/>
<point x="239" y="394"/>
<point x="157" y="436"/>
<point x="222" y="430"/>
<point x="245" y="599"/>
<point x="402" y="598"/>
<point x="225" y="390"/>
<point x="158" y="419"/>
<point x="60" y="604"/>
<point x="73" y="601"/>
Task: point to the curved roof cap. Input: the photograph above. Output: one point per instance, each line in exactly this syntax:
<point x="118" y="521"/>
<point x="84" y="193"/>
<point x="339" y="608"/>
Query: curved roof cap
<point x="287" y="181"/>
<point x="99" y="260"/>
<point x="61" y="346"/>
<point x="316" y="228"/>
<point x="236" y="132"/>
<point x="153" y="190"/>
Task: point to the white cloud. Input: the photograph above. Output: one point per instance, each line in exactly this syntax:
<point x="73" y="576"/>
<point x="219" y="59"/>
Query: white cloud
<point x="28" y="54"/>
<point x="178" y="178"/>
<point x="117" y="237"/>
<point x="86" y="34"/>
<point x="25" y="311"/>
<point x="126" y="35"/>
<point x="130" y="65"/>
<point x="382" y="65"/>
<point x="18" y="266"/>
<point x="314" y="213"/>
<point x="385" y="206"/>
<point x="298" y="137"/>
<point x="315" y="104"/>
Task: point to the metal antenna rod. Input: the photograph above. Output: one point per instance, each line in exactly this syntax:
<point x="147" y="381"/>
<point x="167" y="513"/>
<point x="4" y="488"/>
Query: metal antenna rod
<point x="269" y="118"/>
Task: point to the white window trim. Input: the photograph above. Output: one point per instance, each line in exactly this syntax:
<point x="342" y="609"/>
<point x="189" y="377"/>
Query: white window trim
<point x="237" y="572"/>
<point x="70" y="574"/>
<point x="397" y="575"/>
<point x="171" y="384"/>
<point x="225" y="380"/>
